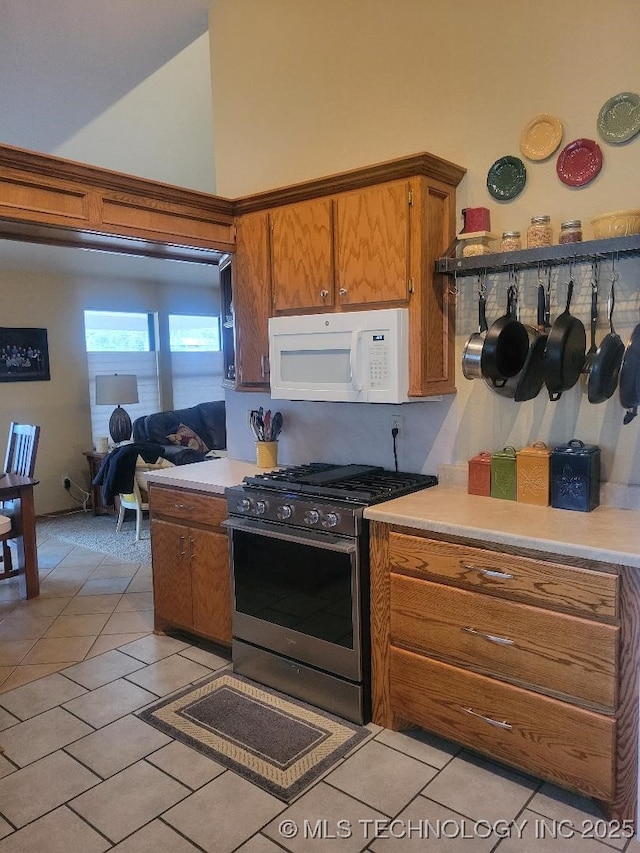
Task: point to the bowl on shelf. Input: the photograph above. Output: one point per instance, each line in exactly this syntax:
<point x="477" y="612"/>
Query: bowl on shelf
<point x="620" y="223"/>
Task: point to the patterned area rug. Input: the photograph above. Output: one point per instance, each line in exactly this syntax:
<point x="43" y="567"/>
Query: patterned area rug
<point x="276" y="742"/>
<point x="98" y="532"/>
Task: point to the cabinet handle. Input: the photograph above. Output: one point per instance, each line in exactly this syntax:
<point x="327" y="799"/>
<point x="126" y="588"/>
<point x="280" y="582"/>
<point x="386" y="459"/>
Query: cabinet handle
<point x="497" y="723"/>
<point x="499" y="641"/>
<point x="182" y="544"/>
<point x="186" y="507"/>
<point x="264" y="365"/>
<point x="488" y="573"/>
<point x="343" y="291"/>
<point x="191" y="547"/>
<point x="324" y="293"/>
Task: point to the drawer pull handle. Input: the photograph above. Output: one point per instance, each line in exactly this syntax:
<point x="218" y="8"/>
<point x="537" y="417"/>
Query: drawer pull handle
<point x="499" y="724"/>
<point x="183" y="540"/>
<point x="488" y="573"/>
<point x="186" y="507"/>
<point x="493" y="638"/>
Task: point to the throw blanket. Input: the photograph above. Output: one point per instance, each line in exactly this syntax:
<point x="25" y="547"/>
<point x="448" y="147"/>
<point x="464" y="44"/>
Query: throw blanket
<point x="117" y="471"/>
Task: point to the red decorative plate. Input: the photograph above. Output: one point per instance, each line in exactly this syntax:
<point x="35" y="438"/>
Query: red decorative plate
<point x="579" y="162"/>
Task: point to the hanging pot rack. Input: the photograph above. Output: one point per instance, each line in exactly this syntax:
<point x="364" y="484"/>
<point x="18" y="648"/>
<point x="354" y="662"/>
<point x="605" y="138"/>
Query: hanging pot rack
<point x="589" y="251"/>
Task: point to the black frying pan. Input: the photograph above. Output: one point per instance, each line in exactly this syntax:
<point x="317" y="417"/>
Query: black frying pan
<point x="528" y="382"/>
<point x="565" y="351"/>
<point x="629" y="384"/>
<point x="606" y="363"/>
<point x="506" y="345"/>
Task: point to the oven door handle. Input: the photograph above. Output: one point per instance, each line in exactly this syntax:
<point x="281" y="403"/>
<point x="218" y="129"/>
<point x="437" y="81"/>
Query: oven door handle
<point x="316" y="540"/>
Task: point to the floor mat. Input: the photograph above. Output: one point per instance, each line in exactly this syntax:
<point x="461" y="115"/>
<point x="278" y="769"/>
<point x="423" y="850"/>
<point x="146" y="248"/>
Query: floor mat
<point x="278" y="743"/>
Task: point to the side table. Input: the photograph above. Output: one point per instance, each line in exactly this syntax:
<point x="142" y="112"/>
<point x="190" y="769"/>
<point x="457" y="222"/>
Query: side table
<point x="94" y="458"/>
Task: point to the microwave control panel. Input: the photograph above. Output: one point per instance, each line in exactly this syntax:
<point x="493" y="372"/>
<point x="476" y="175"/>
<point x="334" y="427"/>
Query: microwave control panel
<point x="379" y="361"/>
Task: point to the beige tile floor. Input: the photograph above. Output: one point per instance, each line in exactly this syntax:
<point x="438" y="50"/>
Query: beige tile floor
<point x="82" y="774"/>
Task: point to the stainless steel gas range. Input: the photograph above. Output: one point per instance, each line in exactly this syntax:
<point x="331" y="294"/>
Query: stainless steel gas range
<point x="300" y="570"/>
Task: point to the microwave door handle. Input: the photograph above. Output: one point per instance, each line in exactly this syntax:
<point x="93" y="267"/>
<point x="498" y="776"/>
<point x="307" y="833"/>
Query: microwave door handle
<point x="356" y="385"/>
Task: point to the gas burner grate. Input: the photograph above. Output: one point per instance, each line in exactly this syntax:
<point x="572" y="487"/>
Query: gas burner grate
<point x="364" y="484"/>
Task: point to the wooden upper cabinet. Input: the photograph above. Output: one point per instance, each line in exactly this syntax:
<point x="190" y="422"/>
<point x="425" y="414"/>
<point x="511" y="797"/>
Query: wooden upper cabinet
<point x="301" y="255"/>
<point x="372" y="239"/>
<point x="251" y="287"/>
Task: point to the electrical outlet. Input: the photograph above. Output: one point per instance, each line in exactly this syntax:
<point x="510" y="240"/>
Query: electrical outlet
<point x="66" y="482"/>
<point x="396" y="422"/>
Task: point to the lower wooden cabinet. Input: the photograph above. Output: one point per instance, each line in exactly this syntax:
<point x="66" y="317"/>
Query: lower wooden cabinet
<point x="190" y="554"/>
<point x="520" y="656"/>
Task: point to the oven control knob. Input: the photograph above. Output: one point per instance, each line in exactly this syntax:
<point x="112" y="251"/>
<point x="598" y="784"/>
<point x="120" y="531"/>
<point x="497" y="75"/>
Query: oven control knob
<point x="331" y="519"/>
<point x="312" y="516"/>
<point x="244" y="505"/>
<point x="261" y="507"/>
<point x="284" y="512"/>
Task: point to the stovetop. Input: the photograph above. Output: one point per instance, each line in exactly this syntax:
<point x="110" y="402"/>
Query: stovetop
<point x="364" y="484"/>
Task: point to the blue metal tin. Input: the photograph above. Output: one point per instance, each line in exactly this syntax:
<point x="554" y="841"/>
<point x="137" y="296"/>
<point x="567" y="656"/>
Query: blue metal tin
<point x="575" y="476"/>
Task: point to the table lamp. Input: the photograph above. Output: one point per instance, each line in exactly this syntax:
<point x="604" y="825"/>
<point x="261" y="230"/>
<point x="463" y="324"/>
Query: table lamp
<point x="113" y="390"/>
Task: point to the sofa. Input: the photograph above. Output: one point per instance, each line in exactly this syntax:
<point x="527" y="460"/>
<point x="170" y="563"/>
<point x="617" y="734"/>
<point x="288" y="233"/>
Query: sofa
<point x="184" y="435"/>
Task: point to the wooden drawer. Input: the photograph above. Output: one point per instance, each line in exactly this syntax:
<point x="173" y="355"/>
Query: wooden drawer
<point x="561" y="654"/>
<point x="552" y="585"/>
<point x="535" y="733"/>
<point x="187" y="506"/>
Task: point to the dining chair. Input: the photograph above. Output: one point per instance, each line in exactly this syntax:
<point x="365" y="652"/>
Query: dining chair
<point x="20" y="458"/>
<point x="133" y="501"/>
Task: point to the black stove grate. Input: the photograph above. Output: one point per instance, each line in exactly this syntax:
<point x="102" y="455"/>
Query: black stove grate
<point x="365" y="484"/>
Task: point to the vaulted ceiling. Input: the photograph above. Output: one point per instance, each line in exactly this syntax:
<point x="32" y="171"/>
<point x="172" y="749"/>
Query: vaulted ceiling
<point x="63" y="62"/>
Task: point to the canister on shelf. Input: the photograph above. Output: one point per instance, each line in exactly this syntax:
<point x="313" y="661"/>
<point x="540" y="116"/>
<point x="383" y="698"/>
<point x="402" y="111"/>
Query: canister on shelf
<point x="511" y="241"/>
<point x="479" y="481"/>
<point x="571" y="231"/>
<point x="539" y="233"/>
<point x="503" y="474"/>
<point x="532" y="474"/>
<point x="575" y="476"/>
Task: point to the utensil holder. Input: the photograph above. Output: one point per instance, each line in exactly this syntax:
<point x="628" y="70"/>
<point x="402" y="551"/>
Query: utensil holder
<point x="266" y="454"/>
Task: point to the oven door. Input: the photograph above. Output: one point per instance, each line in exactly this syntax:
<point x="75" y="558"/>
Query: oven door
<point x="297" y="593"/>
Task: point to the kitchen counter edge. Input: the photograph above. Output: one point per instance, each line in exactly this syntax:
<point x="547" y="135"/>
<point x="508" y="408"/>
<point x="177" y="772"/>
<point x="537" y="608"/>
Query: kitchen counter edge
<point x="212" y="476"/>
<point x="606" y="534"/>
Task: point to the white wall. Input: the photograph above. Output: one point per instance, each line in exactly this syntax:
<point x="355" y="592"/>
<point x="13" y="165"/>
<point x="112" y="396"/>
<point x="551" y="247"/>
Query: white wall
<point x="161" y="130"/>
<point x="308" y="89"/>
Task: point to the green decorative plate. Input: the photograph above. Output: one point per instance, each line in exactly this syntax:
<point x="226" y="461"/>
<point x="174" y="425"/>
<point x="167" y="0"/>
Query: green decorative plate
<point x="506" y="178"/>
<point x="619" y="118"/>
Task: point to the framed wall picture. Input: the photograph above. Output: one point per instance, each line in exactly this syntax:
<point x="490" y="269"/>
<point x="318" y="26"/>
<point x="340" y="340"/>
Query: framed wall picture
<point x="24" y="355"/>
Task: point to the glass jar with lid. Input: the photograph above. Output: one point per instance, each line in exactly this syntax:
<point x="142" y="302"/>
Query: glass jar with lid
<point x="511" y="241"/>
<point x="539" y="233"/>
<point x="570" y="231"/>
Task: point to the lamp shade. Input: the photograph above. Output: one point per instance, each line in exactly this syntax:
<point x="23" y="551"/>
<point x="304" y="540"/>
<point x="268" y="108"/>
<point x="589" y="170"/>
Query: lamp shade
<point x="115" y="389"/>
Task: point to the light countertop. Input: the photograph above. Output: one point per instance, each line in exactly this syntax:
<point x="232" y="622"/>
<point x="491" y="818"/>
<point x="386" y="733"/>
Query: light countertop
<point x="213" y="475"/>
<point x="606" y="534"/>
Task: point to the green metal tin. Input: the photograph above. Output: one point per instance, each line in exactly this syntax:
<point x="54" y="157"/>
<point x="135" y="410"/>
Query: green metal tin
<point x="503" y="474"/>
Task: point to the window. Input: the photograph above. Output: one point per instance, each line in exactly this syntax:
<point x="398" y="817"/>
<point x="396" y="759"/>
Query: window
<point x="191" y="333"/>
<point x="118" y="331"/>
<point x="122" y="342"/>
<point x="196" y="358"/>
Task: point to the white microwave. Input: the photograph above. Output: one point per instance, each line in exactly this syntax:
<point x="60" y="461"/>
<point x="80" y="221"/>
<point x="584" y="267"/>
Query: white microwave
<point x="355" y="356"/>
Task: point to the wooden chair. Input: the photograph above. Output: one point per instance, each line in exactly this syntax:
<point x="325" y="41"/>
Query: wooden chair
<point x="20" y="458"/>
<point x="133" y="501"/>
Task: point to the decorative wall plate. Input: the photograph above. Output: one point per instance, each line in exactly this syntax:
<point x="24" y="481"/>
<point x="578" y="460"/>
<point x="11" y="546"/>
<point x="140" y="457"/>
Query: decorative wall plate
<point x="541" y="137"/>
<point x="579" y="162"/>
<point x="506" y="178"/>
<point x="619" y="118"/>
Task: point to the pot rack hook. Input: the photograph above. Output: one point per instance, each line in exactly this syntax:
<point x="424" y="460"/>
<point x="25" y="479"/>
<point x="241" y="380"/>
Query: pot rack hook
<point x="595" y="274"/>
<point x="615" y="257"/>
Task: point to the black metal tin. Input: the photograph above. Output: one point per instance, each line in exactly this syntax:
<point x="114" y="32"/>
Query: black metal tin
<point x="575" y="476"/>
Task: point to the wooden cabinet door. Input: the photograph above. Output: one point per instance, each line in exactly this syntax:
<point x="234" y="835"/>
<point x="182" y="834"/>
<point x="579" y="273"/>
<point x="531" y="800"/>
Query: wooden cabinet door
<point x="211" y="584"/>
<point x="251" y="302"/>
<point x="302" y="256"/>
<point x="172" y="592"/>
<point x="372" y="244"/>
